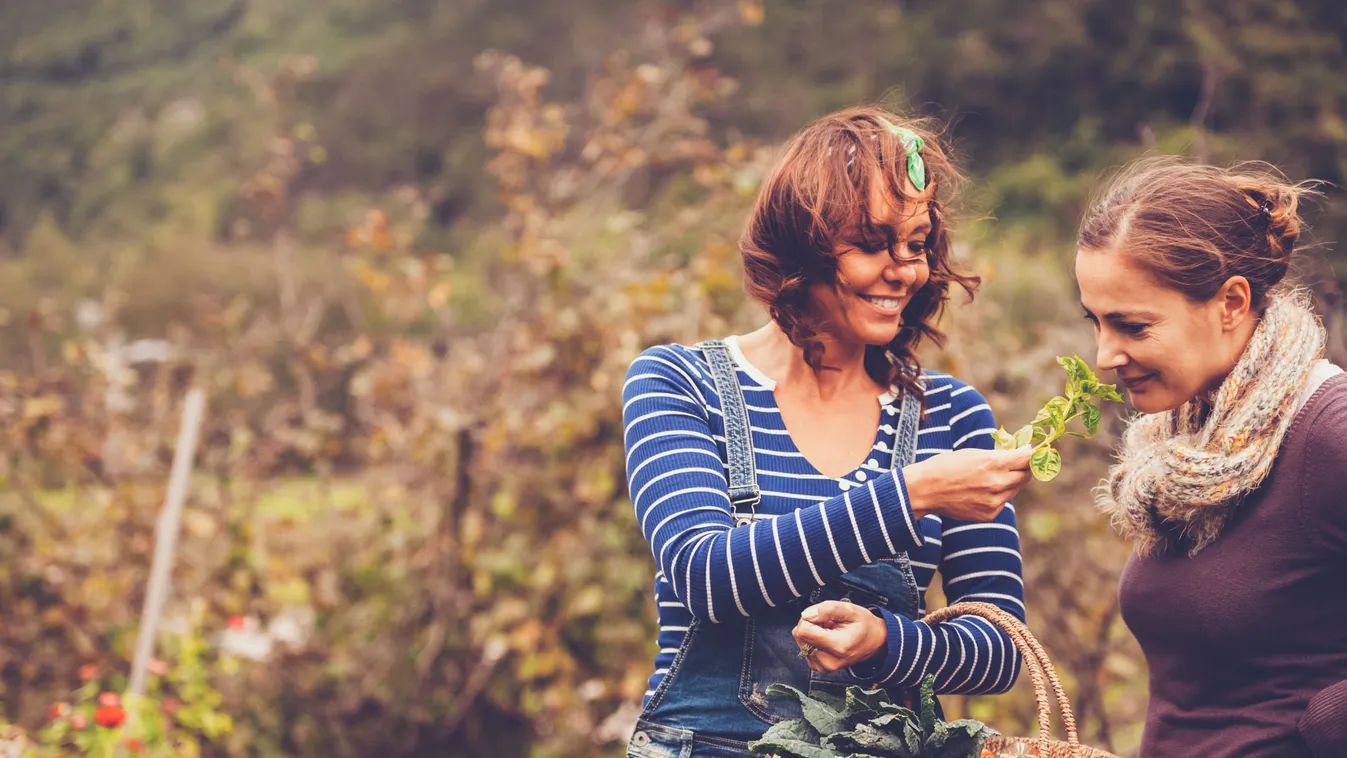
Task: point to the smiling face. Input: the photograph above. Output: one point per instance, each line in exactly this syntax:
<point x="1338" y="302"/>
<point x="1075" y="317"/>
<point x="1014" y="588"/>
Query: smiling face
<point x="1165" y="348"/>
<point x="879" y="268"/>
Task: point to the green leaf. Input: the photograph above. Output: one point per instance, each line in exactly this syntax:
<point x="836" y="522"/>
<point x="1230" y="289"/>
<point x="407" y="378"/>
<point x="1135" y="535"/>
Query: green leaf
<point x="965" y="737"/>
<point x="1025" y="436"/>
<point x="1079" y="404"/>
<point x="793" y="749"/>
<point x="1005" y="440"/>
<point x="895" y="713"/>
<point x="832" y="701"/>
<point x="862" y="704"/>
<point x="914" y="738"/>
<point x="1077" y="371"/>
<point x="1044" y="416"/>
<point x="878" y="728"/>
<point x="928" y="704"/>
<point x="1092" y="415"/>
<point x="971" y="727"/>
<point x="936" y="739"/>
<point x="1108" y="392"/>
<point x="792" y="738"/>
<point x="867" y="739"/>
<point x="1057" y="409"/>
<point x="822" y="716"/>
<point x="794" y="729"/>
<point x="1046" y="464"/>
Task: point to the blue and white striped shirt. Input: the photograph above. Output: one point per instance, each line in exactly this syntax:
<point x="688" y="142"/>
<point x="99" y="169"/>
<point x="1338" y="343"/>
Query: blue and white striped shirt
<point x="816" y="527"/>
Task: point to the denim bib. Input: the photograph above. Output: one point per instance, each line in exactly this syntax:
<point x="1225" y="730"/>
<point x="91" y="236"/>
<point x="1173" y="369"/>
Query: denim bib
<point x="713" y="699"/>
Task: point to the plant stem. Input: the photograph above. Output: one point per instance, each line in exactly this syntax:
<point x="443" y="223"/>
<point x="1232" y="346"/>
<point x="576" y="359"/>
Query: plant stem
<point x="1060" y="431"/>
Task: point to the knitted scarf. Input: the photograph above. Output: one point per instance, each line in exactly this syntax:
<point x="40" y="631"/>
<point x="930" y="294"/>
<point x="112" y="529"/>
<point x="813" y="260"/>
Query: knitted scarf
<point x="1181" y="473"/>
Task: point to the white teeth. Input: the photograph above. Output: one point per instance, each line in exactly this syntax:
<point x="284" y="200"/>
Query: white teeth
<point x="882" y="302"/>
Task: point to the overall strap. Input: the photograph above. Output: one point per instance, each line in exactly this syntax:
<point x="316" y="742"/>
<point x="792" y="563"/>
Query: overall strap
<point x="905" y="438"/>
<point x="743" y="474"/>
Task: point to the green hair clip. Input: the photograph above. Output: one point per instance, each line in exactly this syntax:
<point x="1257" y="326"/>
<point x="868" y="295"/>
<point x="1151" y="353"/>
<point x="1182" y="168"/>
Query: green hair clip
<point x="912" y="145"/>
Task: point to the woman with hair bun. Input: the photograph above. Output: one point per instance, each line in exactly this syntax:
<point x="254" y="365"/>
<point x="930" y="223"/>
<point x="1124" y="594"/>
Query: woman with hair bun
<point x="1233" y="484"/>
<point x="800" y="485"/>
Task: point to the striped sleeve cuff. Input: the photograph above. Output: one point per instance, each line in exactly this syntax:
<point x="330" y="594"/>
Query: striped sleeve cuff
<point x="873" y="669"/>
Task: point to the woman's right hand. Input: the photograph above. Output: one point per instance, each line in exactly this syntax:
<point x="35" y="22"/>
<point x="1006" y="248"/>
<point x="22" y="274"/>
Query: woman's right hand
<point x="968" y="484"/>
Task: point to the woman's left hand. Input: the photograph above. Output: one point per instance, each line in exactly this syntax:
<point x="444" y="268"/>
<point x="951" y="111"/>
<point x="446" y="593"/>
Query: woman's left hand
<point x="841" y="633"/>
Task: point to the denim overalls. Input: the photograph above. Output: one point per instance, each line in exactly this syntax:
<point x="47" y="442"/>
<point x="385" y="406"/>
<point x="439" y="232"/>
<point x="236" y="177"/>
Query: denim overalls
<point x="712" y="701"/>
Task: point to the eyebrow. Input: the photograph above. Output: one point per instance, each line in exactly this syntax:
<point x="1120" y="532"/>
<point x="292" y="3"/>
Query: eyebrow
<point x="892" y="230"/>
<point x="1122" y="315"/>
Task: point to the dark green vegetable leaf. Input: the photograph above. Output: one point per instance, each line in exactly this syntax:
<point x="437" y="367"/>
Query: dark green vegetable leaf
<point x="792" y="738"/>
<point x="793" y="749"/>
<point x="969" y="727"/>
<point x="868" y="740"/>
<point x="831" y="700"/>
<point x="823" y="717"/>
<point x="964" y="738"/>
<point x="894" y="713"/>
<point x="795" y="729"/>
<point x="928" y="704"/>
<point x="865" y="724"/>
<point x="937" y="737"/>
<point x="913" y="737"/>
<point x="872" y="700"/>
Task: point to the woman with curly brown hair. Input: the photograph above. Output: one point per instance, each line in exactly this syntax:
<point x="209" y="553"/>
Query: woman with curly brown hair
<point x="800" y="485"/>
<point x="1231" y="484"/>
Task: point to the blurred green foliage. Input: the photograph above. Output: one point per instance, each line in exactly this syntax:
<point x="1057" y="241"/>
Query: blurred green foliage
<point x="408" y="248"/>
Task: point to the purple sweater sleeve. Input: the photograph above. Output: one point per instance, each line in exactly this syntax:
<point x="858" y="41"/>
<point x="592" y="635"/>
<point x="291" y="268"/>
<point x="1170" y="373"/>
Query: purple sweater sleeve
<point x="1324" y="517"/>
<point x="1324" y="505"/>
<point x="1324" y="724"/>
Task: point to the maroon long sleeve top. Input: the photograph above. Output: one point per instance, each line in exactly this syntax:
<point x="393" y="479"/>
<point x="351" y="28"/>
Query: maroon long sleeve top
<point x="1247" y="641"/>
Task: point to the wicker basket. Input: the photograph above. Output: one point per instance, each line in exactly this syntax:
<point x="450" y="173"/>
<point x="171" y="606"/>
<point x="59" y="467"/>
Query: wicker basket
<point x="1043" y="676"/>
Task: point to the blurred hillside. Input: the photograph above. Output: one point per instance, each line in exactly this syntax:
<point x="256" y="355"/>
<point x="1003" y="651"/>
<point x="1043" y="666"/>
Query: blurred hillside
<point x="133" y="112"/>
<point x="408" y="249"/>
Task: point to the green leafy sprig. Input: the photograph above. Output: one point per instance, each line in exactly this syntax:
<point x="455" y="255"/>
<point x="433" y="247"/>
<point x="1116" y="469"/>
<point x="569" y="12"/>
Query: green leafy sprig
<point x="865" y="724"/>
<point x="1083" y="389"/>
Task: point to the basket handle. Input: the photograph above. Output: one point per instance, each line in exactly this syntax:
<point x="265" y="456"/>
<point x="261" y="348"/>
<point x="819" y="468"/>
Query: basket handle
<point x="1041" y="670"/>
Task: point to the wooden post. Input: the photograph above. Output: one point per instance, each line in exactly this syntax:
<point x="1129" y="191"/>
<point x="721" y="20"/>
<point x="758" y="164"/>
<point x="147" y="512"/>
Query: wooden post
<point x="166" y="537"/>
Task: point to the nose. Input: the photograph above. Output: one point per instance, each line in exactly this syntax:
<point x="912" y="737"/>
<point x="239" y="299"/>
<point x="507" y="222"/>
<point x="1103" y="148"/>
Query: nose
<point x="904" y="274"/>
<point x="1110" y="355"/>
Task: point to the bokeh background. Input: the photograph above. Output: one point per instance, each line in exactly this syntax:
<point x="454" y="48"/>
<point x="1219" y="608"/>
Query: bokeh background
<point x="408" y="249"/>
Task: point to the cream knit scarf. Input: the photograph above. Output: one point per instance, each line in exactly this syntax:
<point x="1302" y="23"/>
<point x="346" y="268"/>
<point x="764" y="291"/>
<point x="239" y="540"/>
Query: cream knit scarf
<point x="1181" y="473"/>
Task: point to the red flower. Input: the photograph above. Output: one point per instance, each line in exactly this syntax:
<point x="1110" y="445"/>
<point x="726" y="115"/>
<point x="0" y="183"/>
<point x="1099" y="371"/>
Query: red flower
<point x="170" y="705"/>
<point x="109" y="699"/>
<point x="133" y="744"/>
<point x="79" y="721"/>
<point x="110" y="716"/>
<point x="58" y="711"/>
<point x="238" y="623"/>
<point x="88" y="671"/>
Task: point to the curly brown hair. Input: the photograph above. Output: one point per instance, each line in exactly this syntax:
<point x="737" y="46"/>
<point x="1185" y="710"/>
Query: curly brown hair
<point x="819" y="192"/>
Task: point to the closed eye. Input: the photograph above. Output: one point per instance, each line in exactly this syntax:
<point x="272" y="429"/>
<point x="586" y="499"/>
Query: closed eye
<point x="870" y="245"/>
